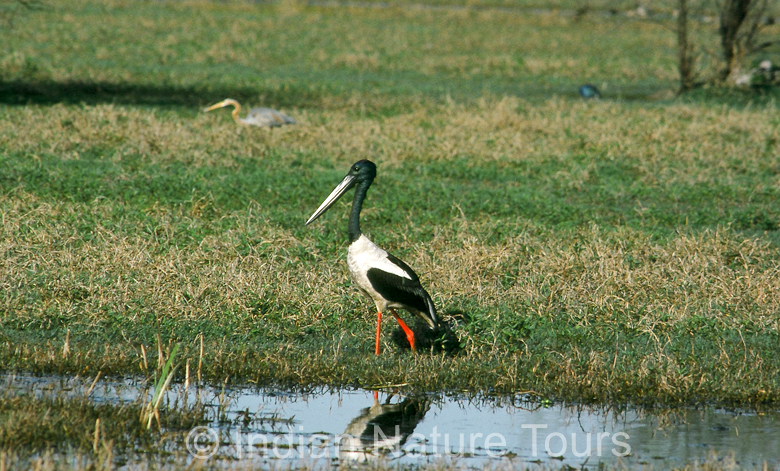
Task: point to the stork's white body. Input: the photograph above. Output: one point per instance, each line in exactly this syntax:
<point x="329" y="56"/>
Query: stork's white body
<point x="364" y="255"/>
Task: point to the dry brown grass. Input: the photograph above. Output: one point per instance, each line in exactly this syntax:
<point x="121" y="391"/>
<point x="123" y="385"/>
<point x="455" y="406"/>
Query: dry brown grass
<point x="615" y="273"/>
<point x="681" y="143"/>
<point x="693" y="274"/>
<point x="590" y="277"/>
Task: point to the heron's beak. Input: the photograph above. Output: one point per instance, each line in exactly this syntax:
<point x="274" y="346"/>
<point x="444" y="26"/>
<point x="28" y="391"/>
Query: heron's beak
<point x="342" y="188"/>
<point x="221" y="104"/>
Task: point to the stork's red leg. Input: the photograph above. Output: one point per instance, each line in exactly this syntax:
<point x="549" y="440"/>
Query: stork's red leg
<point x="378" y="323"/>
<point x="406" y="329"/>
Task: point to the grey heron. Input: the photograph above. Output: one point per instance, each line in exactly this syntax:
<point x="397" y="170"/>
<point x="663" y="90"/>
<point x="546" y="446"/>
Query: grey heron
<point x="261" y="117"/>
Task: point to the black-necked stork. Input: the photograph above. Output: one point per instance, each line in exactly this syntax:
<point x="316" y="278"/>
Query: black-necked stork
<point x="388" y="281"/>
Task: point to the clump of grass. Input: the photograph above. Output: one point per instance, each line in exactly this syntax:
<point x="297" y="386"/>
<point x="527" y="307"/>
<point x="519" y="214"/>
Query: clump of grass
<point x="151" y="410"/>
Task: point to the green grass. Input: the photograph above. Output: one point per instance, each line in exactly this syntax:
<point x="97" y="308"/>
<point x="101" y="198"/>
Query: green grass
<point x="620" y="251"/>
<point x="295" y="56"/>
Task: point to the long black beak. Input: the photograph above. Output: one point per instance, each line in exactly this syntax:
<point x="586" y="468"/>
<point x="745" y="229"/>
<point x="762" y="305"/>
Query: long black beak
<point x="347" y="183"/>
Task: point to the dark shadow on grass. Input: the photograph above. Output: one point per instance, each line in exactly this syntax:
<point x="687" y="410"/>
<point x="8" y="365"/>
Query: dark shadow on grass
<point x="303" y="92"/>
<point x="49" y="92"/>
<point x="42" y="91"/>
<point x="439" y="340"/>
<point x="733" y="97"/>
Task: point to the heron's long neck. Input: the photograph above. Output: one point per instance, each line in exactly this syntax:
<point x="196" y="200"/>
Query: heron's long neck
<point x="236" y="110"/>
<point x="354" y="216"/>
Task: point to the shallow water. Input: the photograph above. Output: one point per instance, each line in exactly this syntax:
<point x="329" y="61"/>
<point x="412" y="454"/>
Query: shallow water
<point x="354" y="425"/>
<point x="272" y="428"/>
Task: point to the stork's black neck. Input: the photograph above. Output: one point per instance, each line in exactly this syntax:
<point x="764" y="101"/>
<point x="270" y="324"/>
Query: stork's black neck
<point x="357" y="204"/>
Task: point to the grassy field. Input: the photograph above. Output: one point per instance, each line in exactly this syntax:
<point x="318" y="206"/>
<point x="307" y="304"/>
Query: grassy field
<point x="618" y="251"/>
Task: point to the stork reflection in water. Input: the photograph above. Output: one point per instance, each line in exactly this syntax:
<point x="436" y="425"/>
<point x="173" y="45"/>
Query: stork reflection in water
<point x="383" y="427"/>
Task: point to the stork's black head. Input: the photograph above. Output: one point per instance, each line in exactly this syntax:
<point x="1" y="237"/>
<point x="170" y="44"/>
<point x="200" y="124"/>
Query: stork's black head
<point x="363" y="171"/>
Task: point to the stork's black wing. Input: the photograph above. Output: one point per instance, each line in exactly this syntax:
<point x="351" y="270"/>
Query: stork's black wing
<point x="398" y="289"/>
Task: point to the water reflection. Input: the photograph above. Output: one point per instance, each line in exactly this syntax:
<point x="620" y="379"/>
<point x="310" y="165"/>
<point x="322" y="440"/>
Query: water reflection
<point x="411" y="430"/>
<point x="272" y="428"/>
<point x="382" y="428"/>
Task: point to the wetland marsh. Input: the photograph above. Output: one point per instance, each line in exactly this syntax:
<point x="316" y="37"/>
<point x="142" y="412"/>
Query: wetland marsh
<point x="620" y="254"/>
